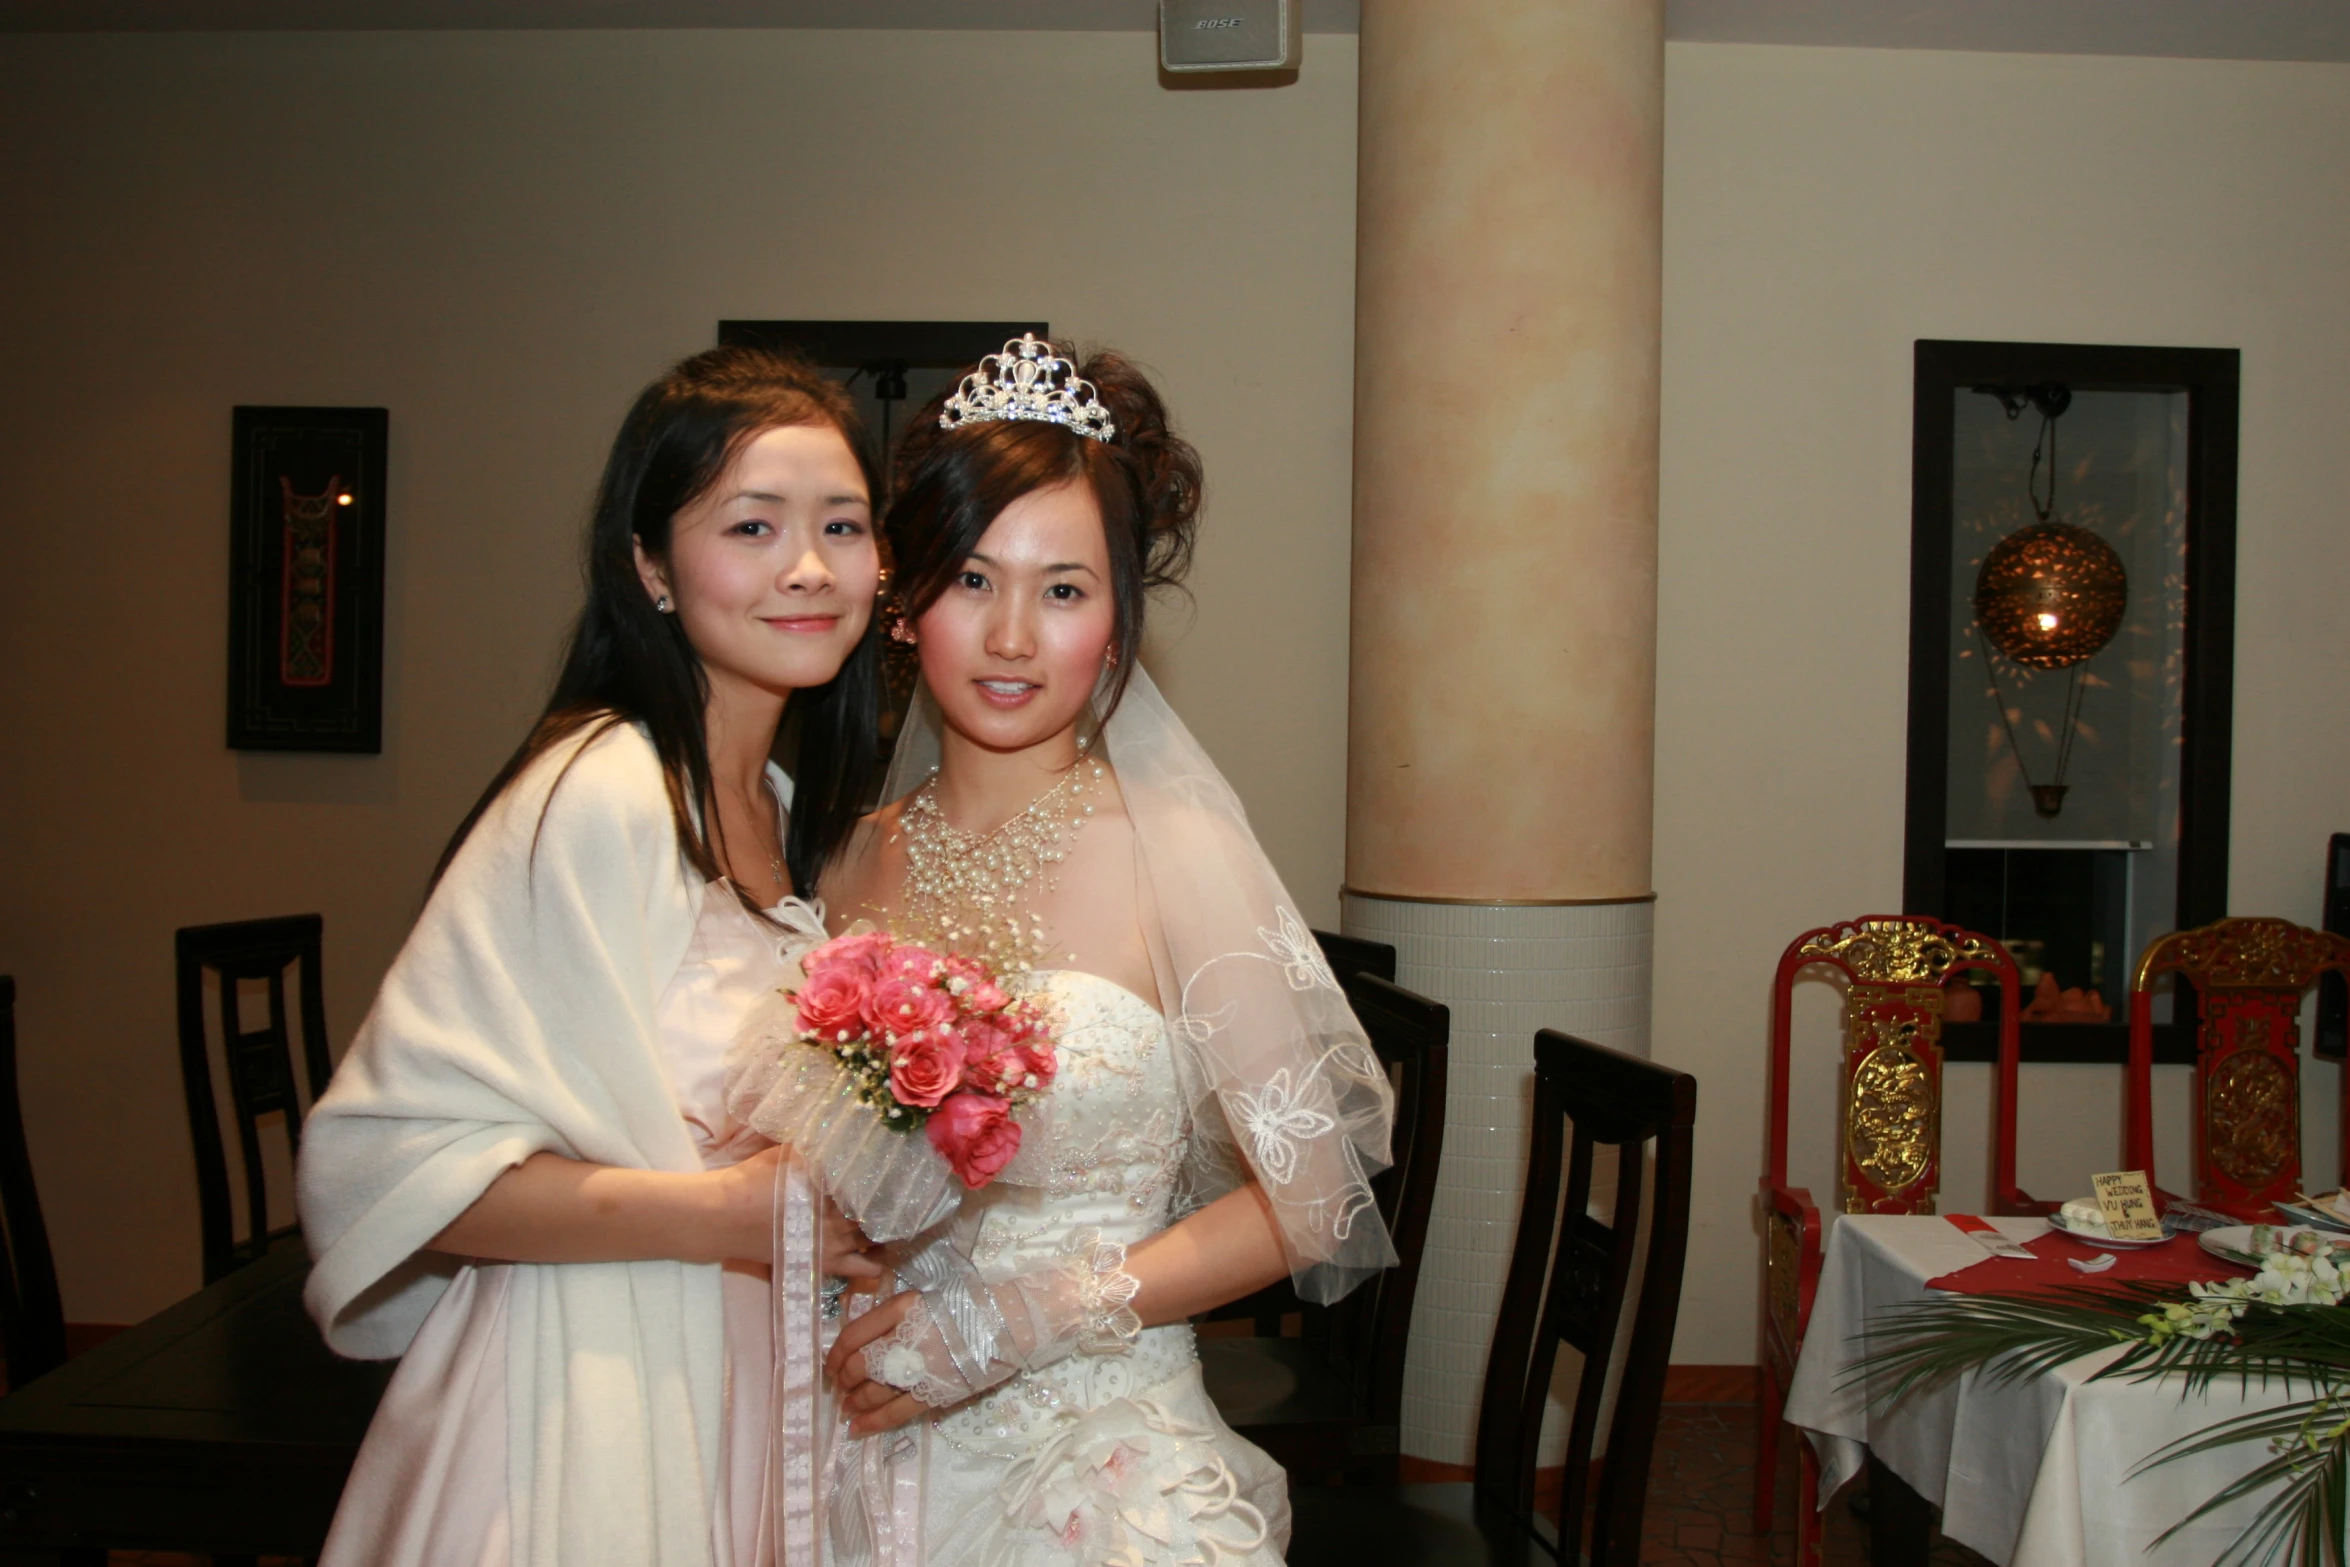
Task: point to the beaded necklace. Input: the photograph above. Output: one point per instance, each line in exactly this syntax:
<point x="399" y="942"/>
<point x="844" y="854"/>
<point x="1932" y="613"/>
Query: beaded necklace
<point x="966" y="891"/>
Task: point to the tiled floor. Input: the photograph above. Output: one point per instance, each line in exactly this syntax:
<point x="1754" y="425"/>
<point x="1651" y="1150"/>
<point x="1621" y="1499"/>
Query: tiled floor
<point x="1701" y="1490"/>
<point x="1698" y="1498"/>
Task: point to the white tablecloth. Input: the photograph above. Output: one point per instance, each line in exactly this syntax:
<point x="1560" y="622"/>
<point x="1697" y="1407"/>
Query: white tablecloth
<point x="2031" y="1474"/>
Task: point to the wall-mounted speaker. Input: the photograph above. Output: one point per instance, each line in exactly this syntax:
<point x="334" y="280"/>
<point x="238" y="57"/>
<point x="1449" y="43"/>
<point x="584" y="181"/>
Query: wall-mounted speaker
<point x="1228" y="35"/>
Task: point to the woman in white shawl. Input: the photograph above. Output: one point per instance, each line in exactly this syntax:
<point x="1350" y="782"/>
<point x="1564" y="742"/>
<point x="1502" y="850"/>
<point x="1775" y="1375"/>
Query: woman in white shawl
<point x="1216" y="1109"/>
<point x="523" y="1179"/>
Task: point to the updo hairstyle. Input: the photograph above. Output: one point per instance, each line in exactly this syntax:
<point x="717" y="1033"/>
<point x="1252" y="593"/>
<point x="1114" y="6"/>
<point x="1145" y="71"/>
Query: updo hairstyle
<point x="950" y="485"/>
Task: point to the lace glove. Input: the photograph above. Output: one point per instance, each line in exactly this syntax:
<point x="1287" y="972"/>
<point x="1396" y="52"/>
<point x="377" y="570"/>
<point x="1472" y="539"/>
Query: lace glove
<point x="965" y="1335"/>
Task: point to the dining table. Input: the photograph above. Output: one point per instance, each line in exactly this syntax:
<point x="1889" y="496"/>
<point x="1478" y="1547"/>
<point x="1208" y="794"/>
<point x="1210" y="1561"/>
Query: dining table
<point x="222" y="1426"/>
<point x="2043" y="1470"/>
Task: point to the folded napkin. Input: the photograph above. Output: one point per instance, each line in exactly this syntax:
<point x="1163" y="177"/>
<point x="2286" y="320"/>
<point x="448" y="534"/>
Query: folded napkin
<point x="2178" y="1260"/>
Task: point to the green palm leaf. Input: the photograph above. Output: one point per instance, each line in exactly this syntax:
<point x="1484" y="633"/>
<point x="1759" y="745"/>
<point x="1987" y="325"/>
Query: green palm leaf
<point x="2011" y="1338"/>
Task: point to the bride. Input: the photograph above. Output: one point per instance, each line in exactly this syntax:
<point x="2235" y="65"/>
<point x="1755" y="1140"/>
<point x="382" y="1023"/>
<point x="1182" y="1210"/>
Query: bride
<point x="1217" y="1107"/>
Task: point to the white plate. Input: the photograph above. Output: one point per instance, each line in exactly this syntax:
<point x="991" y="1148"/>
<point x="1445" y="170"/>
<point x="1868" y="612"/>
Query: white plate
<point x="2233" y="1244"/>
<point x="2099" y="1240"/>
<point x="2320" y="1215"/>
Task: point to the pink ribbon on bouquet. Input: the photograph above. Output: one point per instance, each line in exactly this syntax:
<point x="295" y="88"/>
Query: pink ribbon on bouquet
<point x="839" y="1501"/>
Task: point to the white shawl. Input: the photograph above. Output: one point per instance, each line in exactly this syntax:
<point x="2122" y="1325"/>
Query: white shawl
<point x="520" y="1016"/>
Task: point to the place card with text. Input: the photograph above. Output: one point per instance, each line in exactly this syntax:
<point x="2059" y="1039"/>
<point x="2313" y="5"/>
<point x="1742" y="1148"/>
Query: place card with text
<point x="2128" y="1200"/>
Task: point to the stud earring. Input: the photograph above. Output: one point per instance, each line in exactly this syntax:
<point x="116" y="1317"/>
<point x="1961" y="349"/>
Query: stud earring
<point x="902" y="630"/>
<point x="1110" y="657"/>
<point x="661" y="605"/>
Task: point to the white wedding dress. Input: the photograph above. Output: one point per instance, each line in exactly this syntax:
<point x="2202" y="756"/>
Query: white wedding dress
<point x="1099" y="1460"/>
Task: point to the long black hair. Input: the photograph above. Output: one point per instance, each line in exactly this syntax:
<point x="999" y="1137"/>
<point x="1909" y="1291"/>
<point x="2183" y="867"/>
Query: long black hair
<point x="629" y="663"/>
<point x="951" y="484"/>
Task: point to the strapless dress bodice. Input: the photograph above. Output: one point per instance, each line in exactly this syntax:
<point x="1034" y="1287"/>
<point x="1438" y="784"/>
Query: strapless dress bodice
<point x="1101" y="1149"/>
<point x="1098" y="1458"/>
<point x="1099" y="1154"/>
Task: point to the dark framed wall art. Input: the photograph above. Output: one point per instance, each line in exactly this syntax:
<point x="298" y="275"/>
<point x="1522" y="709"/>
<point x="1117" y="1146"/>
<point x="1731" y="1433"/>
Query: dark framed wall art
<point x="306" y="588"/>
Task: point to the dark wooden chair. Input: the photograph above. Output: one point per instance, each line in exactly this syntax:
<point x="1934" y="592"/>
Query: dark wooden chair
<point x="1648" y="1114"/>
<point x="1352" y="955"/>
<point x="32" y="1319"/>
<point x="1329" y="1402"/>
<point x="1347" y="957"/>
<point x="260" y="1066"/>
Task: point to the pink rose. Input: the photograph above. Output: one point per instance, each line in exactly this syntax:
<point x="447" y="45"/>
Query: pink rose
<point x="976" y="1134"/>
<point x="903" y="1006"/>
<point x="984" y="997"/>
<point x="985" y="1046"/>
<point x="970" y="983"/>
<point x="917" y="965"/>
<point x="832" y="1003"/>
<point x="997" y="1061"/>
<point x="859" y="955"/>
<point x="925" y="1069"/>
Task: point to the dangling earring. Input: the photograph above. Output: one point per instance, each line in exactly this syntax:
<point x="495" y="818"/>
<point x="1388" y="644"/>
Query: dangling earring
<point x="902" y="630"/>
<point x="661" y="605"/>
<point x="1110" y="657"/>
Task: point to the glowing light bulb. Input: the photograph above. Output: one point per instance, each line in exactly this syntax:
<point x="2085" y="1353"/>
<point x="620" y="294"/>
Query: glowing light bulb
<point x="2047" y="621"/>
<point x="344" y="499"/>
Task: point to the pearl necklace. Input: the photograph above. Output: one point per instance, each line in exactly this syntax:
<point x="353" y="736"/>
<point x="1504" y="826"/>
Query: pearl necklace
<point x="965" y="890"/>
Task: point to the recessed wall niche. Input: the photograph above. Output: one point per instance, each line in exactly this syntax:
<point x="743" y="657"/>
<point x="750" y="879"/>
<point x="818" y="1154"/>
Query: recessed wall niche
<point x="2071" y="625"/>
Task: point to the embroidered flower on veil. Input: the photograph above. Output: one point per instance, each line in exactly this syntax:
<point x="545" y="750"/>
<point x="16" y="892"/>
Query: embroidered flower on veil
<point x="1299" y="954"/>
<point x="1274" y="1118"/>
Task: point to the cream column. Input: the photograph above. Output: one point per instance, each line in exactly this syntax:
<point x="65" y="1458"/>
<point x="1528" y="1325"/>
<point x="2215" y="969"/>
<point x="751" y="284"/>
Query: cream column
<point x="1502" y="692"/>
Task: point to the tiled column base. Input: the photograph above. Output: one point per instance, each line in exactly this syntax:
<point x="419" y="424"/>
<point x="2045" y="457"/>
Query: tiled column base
<point x="1505" y="970"/>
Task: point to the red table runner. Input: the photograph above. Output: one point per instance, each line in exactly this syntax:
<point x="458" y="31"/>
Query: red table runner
<point x="2178" y="1260"/>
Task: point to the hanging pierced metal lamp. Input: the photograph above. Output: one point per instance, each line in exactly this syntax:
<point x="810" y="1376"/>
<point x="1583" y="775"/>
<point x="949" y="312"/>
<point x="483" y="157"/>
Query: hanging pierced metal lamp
<point x="2049" y="596"/>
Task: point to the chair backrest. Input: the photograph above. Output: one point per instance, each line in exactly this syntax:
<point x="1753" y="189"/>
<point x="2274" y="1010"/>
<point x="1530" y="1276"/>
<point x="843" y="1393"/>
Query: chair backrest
<point x="259" y="1062"/>
<point x="1352" y="955"/>
<point x="1569" y="1276"/>
<point x="1413" y="1036"/>
<point x="1370" y="1330"/>
<point x="2249" y="976"/>
<point x="32" y="1319"/>
<point x="1347" y="957"/>
<point x="1889" y="1112"/>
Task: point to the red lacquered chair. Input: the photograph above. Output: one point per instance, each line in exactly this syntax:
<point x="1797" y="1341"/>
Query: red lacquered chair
<point x="1890" y="1113"/>
<point x="2249" y="976"/>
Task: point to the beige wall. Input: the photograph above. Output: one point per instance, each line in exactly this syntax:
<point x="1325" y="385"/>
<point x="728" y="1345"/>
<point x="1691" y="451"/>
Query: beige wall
<point x="1823" y="209"/>
<point x="500" y="237"/>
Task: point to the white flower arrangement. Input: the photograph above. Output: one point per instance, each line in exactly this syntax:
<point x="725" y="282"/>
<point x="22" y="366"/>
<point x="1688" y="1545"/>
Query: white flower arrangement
<point x="2286" y="1278"/>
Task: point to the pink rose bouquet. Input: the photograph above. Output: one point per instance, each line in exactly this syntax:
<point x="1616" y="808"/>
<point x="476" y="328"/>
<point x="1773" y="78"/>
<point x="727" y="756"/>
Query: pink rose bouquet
<point x="928" y="1040"/>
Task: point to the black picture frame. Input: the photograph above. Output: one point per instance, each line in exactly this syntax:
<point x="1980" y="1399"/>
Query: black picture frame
<point x="2210" y="377"/>
<point x="306" y="579"/>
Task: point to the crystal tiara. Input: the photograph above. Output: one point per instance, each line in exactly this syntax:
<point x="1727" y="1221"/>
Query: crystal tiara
<point x="1028" y="381"/>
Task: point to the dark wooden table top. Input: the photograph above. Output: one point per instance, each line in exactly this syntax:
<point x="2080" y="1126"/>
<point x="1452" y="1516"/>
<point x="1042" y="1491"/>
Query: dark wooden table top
<point x="221" y="1424"/>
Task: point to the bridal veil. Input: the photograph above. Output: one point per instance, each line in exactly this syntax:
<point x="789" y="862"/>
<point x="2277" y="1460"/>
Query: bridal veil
<point x="1279" y="1079"/>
